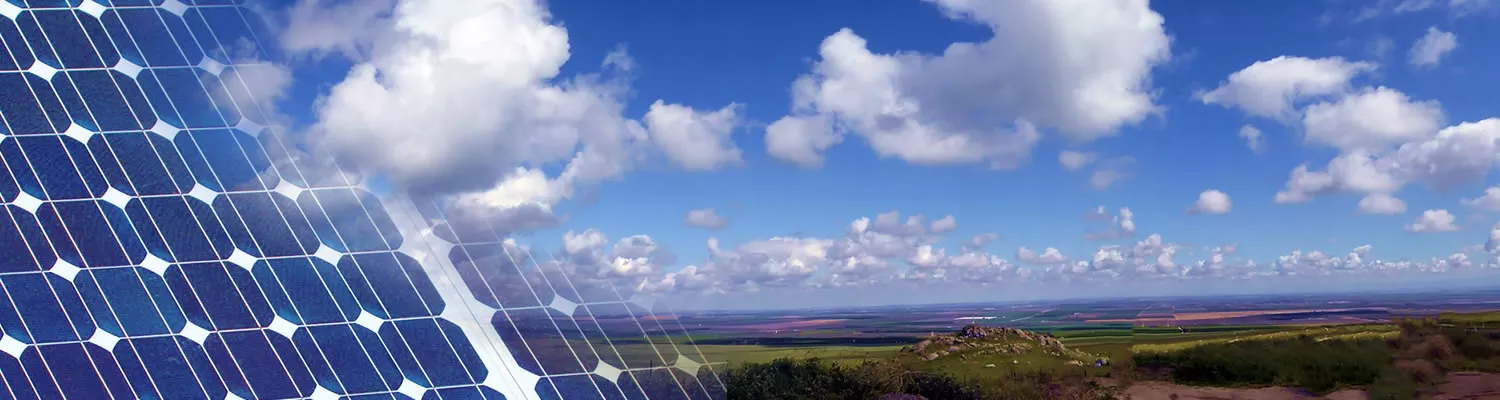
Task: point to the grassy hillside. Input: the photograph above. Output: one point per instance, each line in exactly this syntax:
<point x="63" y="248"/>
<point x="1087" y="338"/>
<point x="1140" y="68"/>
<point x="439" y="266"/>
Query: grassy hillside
<point x="1398" y="360"/>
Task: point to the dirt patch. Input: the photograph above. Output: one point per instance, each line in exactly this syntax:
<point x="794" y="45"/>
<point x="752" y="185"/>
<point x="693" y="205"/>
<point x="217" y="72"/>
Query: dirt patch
<point x="1205" y="316"/>
<point x="792" y="324"/>
<point x="1469" y="386"/>
<point x="1165" y="391"/>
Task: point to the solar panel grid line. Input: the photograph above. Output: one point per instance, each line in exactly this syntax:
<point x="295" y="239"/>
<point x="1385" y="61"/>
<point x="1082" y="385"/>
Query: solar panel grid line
<point x="503" y="311"/>
<point x="199" y="224"/>
<point x="54" y="289"/>
<point x="652" y="343"/>
<point x="608" y="341"/>
<point x="548" y="282"/>
<point x="594" y="319"/>
<point x="324" y="282"/>
<point x="327" y="216"/>
<point x="69" y="233"/>
<point x="167" y="242"/>
<point x="519" y="272"/>
<point x="309" y="372"/>
<point x="701" y="357"/>
<point x="37" y="261"/>
<point x="144" y="287"/>
<point x="381" y="304"/>
<point x="615" y="289"/>
<point x="11" y="301"/>
<point x="521" y="386"/>
<point x="366" y="210"/>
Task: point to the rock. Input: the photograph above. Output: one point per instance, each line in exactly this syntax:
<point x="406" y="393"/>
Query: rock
<point x="930" y="356"/>
<point x="989" y="365"/>
<point x="901" y="396"/>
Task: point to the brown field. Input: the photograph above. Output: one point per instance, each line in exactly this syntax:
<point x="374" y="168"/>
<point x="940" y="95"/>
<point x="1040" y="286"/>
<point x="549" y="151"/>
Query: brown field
<point x="1206" y="316"/>
<point x="792" y="324"/>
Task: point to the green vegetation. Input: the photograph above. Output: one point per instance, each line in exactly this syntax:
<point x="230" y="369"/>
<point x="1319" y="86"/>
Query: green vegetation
<point x="1318" y="365"/>
<point x="814" y="379"/>
<point x="1389" y="361"/>
<point x="1399" y="360"/>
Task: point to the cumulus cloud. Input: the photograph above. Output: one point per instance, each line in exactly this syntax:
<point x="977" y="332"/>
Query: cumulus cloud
<point x="705" y="218"/>
<point x="1110" y="171"/>
<point x="1457" y="154"/>
<point x="324" y="27"/>
<point x="1048" y="256"/>
<point x="1386" y="140"/>
<point x="1432" y="221"/>
<point x="1252" y="137"/>
<point x="1273" y="88"/>
<point x="1210" y="202"/>
<point x="461" y="97"/>
<point x="944" y="225"/>
<point x="1371" y="119"/>
<point x="1074" y="160"/>
<point x="695" y="140"/>
<point x="1121" y="224"/>
<point x="1381" y="203"/>
<point x="1082" y="69"/>
<point x="1488" y="201"/>
<point x="887" y="247"/>
<point x="1430" y="49"/>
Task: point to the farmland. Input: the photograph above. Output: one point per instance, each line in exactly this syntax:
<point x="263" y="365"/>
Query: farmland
<point x="1123" y="332"/>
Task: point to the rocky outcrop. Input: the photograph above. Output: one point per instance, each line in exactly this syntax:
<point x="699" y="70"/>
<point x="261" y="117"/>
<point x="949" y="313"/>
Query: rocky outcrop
<point x="972" y="340"/>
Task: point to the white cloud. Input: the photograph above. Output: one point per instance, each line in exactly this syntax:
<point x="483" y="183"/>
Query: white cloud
<point x="1357" y="172"/>
<point x="1211" y="202"/>
<point x="696" y="141"/>
<point x="321" y="27"/>
<point x="1048" y="256"/>
<point x="1492" y="245"/>
<point x="1252" y="137"/>
<point x="1489" y="201"/>
<point x="705" y="218"/>
<point x="1381" y="203"/>
<point x="454" y="97"/>
<point x="1121" y="224"/>
<point x="1430" y="49"/>
<point x="1433" y="221"/>
<point x="1081" y="68"/>
<point x="944" y="225"/>
<point x="801" y="140"/>
<point x="1454" y="8"/>
<point x="1074" y="160"/>
<point x="1457" y="154"/>
<point x="1273" y="88"/>
<point x="1371" y="119"/>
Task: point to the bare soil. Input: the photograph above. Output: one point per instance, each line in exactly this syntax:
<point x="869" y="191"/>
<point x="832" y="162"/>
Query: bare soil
<point x="1469" y="386"/>
<point x="1458" y="386"/>
<point x="1164" y="391"/>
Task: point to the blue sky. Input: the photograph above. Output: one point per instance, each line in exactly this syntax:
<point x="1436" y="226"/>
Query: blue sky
<point x="706" y="55"/>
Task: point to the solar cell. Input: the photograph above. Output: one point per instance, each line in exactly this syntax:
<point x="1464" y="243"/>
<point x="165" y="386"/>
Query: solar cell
<point x="161" y="239"/>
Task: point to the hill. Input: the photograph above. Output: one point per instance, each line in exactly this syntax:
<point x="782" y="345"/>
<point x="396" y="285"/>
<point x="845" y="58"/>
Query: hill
<point x="976" y="346"/>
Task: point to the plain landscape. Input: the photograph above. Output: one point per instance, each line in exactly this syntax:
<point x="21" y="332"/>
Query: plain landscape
<point x="1343" y="346"/>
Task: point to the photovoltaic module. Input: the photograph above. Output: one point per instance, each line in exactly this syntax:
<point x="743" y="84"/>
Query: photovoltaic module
<point x="163" y="239"/>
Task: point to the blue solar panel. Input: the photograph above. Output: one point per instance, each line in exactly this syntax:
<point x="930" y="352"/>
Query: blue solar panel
<point x="160" y="239"/>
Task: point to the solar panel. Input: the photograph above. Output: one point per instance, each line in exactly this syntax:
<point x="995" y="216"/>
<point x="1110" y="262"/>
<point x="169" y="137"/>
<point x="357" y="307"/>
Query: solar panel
<point x="163" y="240"/>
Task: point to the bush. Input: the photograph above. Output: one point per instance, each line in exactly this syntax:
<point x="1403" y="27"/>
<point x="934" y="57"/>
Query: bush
<point x="1303" y="362"/>
<point x="813" y="379"/>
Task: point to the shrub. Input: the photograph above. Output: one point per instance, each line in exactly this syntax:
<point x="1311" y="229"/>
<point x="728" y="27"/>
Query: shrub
<point x="1419" y="370"/>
